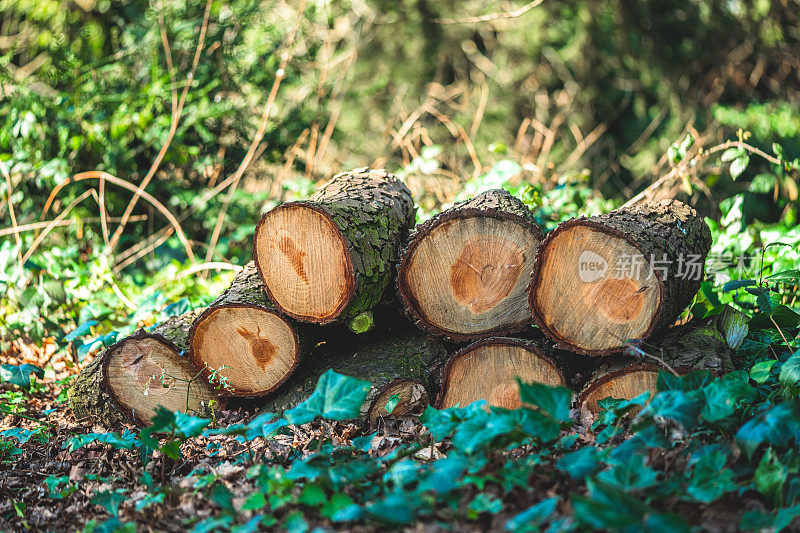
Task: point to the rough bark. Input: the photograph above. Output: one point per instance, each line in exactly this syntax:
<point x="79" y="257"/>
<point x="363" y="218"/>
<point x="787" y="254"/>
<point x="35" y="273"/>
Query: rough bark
<point x="668" y="234"/>
<point x="90" y="395"/>
<point x="413" y="358"/>
<point x="496" y="204"/>
<point x="486" y="383"/>
<point x="373" y="211"/>
<point x="246" y="292"/>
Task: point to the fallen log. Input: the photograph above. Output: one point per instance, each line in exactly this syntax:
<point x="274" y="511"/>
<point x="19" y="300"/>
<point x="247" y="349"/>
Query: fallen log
<point x="330" y="258"/>
<point x="129" y="380"/>
<point x="487" y="370"/>
<point x="242" y="344"/>
<point x="464" y="272"/>
<point x="407" y="365"/>
<point x="600" y="282"/>
<point x="699" y="345"/>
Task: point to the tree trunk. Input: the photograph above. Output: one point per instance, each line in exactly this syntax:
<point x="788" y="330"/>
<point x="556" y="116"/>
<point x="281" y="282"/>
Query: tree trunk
<point x="242" y="344"/>
<point x="464" y="272"/>
<point x="599" y="282"/>
<point x="331" y="257"/>
<point x="406" y="365"/>
<point x="129" y="380"/>
<point x="487" y="370"/>
<point x="699" y="345"/>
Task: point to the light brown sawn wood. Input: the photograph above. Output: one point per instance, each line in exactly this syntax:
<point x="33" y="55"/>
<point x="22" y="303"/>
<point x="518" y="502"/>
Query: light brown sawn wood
<point x="486" y="370"/>
<point x="129" y="380"/>
<point x="241" y="343"/>
<point x="464" y="273"/>
<point x="602" y="283"/>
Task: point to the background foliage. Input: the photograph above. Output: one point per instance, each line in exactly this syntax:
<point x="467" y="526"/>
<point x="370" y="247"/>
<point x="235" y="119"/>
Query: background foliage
<point x="576" y="107"/>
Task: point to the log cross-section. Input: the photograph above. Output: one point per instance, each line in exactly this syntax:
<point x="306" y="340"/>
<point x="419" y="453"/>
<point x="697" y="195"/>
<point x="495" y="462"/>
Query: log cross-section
<point x="128" y="381"/>
<point x="603" y="281"/>
<point x="330" y="258"/>
<point x="242" y="344"/>
<point x="487" y="370"/>
<point x="464" y="272"/>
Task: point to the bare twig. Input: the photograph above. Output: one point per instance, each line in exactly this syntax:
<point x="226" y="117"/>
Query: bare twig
<point x="99" y="174"/>
<point x="494" y="16"/>
<point x="262" y="126"/>
<point x="194" y="269"/>
<point x="172" y="129"/>
<point x="39" y="238"/>
<point x="14" y="225"/>
<point x="43" y="224"/>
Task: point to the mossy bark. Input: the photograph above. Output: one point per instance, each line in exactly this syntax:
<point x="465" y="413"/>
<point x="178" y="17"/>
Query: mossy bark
<point x="495" y="203"/>
<point x="674" y="240"/>
<point x="373" y="211"/>
<point x="411" y="357"/>
<point x="89" y="396"/>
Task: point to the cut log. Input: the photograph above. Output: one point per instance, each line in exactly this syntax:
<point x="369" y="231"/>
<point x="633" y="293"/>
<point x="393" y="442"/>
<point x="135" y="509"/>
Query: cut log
<point x="331" y="257"/>
<point x="242" y="344"/>
<point x="600" y="282"/>
<point x="406" y="365"/>
<point x="129" y="380"/>
<point x="620" y="380"/>
<point x="698" y="345"/>
<point x="487" y="370"/>
<point x="464" y="272"/>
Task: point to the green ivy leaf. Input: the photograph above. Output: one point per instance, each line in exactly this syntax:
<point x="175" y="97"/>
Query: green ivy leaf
<point x="710" y="480"/>
<point x="791" y="277"/>
<point x="554" y="401"/>
<point x="532" y="517"/>
<point x="335" y="504"/>
<point x="722" y="394"/>
<point x="395" y="509"/>
<point x="126" y="441"/>
<point x="776" y="426"/>
<point x="678" y="406"/>
<point x="110" y="500"/>
<point x="758" y="521"/>
<point x="484" y="503"/>
<point x="190" y="426"/>
<point x="580" y="463"/>
<point x="336" y="397"/>
<point x="770" y="477"/>
<point x="19" y="375"/>
<point x="394" y="399"/>
<point x="790" y="371"/>
<point x="761" y="371"/>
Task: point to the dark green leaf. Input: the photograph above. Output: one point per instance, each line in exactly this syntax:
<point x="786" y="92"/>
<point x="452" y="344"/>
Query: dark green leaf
<point x="791" y="277"/>
<point x="336" y="397"/>
<point x="554" y="401"/>
<point x="532" y="517"/>
<point x="776" y="426"/>
<point x="710" y="479"/>
<point x="580" y="463"/>
<point x="790" y="371"/>
<point x="761" y="371"/>
<point x="110" y="500"/>
<point x="770" y="477"/>
<point x="19" y="375"/>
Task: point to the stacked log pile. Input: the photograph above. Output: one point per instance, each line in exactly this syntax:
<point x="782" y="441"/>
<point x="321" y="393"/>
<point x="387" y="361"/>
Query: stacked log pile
<point x="344" y="281"/>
